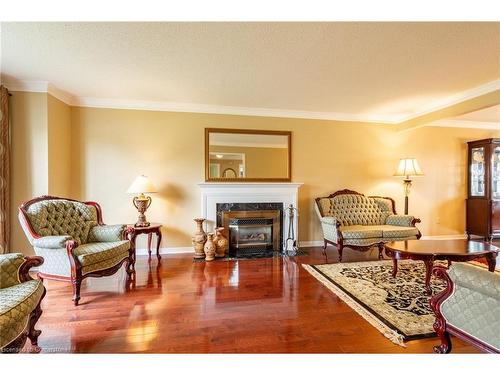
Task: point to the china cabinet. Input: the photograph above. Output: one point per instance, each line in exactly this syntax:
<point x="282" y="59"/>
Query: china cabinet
<point x="483" y="197"/>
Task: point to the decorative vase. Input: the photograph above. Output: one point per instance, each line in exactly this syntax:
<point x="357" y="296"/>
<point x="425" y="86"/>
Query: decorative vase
<point x="221" y="243"/>
<point x="209" y="248"/>
<point x="199" y="239"/>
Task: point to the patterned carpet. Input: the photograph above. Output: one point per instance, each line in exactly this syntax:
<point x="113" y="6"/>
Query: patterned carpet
<point x="397" y="307"/>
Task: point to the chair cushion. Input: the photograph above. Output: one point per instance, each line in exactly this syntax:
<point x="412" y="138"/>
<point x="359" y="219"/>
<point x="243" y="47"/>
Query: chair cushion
<point x="377" y="231"/>
<point x="105" y="264"/>
<point x="95" y="252"/>
<point x="16" y="304"/>
<point x="360" y="231"/>
<point x="395" y="231"/>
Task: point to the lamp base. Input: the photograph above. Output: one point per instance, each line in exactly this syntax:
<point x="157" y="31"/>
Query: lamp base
<point x="142" y="204"/>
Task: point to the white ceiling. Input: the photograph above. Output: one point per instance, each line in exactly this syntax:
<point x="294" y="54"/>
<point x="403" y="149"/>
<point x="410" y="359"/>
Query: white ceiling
<point x="360" y="71"/>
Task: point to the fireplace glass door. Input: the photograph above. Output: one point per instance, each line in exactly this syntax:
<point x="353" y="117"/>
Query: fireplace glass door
<point x="250" y="236"/>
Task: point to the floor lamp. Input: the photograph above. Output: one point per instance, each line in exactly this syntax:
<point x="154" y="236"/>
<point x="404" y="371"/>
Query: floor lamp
<point x="408" y="168"/>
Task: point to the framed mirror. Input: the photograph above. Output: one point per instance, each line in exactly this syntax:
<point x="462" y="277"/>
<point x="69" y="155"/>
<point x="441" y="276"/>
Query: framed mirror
<point x="234" y="155"/>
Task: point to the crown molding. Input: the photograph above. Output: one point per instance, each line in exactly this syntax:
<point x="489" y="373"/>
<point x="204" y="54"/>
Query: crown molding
<point x="41" y="86"/>
<point x="60" y="94"/>
<point x="455" y="99"/>
<point x="28" y="86"/>
<point x="112" y="103"/>
<point x="465" y="124"/>
<point x="226" y="110"/>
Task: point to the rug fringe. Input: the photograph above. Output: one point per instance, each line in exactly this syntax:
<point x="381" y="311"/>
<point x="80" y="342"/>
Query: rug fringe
<point x="392" y="335"/>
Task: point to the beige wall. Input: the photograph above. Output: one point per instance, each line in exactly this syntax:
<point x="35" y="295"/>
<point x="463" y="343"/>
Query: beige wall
<point x="59" y="147"/>
<point x="260" y="162"/>
<point x="41" y="154"/>
<point x="111" y="147"/>
<point x="94" y="154"/>
<point x="29" y="163"/>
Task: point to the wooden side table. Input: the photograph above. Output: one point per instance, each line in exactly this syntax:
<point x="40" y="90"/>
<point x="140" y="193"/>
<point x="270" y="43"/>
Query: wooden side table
<point x="152" y="228"/>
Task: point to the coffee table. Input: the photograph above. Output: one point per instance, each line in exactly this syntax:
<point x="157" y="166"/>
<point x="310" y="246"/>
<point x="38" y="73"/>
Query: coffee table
<point x="430" y="250"/>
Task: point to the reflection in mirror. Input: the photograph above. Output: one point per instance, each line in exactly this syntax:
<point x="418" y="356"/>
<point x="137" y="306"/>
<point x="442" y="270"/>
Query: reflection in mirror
<point x="249" y="155"/>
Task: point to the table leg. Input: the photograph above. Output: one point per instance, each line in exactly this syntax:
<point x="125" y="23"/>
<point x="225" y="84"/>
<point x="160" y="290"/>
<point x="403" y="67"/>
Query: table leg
<point x="428" y="273"/>
<point x="158" y="239"/>
<point x="492" y="261"/>
<point x="150" y="237"/>
<point x="394" y="267"/>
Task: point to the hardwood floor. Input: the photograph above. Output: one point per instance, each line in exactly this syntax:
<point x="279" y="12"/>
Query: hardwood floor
<point x="180" y="306"/>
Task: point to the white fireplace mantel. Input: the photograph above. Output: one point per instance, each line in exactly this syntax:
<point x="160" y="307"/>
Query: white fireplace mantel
<point x="248" y="192"/>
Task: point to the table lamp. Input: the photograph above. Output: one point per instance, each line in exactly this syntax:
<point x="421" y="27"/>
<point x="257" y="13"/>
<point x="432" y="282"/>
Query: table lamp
<point x="408" y="168"/>
<point x="142" y="202"/>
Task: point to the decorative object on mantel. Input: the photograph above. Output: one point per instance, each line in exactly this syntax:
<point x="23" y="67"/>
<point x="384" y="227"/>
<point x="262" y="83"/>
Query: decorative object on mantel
<point x="408" y="168"/>
<point x="199" y="239"/>
<point x="398" y="307"/>
<point x="291" y="238"/>
<point x="141" y="185"/>
<point x="221" y="243"/>
<point x="209" y="248"/>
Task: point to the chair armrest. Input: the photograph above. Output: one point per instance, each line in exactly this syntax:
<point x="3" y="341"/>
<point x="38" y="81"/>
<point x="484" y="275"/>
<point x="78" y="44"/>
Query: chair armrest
<point x="402" y="220"/>
<point x="475" y="278"/>
<point x="330" y="220"/>
<point x="107" y="233"/>
<point x="14" y="268"/>
<point x="51" y="242"/>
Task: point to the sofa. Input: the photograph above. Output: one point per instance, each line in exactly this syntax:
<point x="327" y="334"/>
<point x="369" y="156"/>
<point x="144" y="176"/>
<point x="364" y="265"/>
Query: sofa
<point x="75" y="243"/>
<point x="468" y="308"/>
<point x="350" y="219"/>
<point x="20" y="299"/>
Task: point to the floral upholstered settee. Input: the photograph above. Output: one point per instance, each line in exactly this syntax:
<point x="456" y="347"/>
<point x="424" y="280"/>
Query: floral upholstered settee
<point x="469" y="307"/>
<point x="350" y="219"/>
<point x="73" y="240"/>
<point x="20" y="298"/>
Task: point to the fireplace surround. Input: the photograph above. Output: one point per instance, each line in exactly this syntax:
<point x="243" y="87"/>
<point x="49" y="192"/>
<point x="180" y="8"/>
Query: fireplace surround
<point x="257" y="196"/>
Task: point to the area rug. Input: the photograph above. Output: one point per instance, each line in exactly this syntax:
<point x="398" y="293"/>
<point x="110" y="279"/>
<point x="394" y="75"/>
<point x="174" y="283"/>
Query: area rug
<point x="397" y="307"/>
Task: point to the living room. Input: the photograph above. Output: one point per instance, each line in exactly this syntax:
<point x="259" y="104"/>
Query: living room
<point x="375" y="170"/>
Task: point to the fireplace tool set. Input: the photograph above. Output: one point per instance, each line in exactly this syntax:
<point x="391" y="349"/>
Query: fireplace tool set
<point x="291" y="238"/>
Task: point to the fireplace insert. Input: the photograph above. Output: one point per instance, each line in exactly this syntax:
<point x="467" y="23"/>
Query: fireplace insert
<point x="250" y="236"/>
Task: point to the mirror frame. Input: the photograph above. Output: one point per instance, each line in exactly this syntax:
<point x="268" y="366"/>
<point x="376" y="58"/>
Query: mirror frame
<point x="208" y="131"/>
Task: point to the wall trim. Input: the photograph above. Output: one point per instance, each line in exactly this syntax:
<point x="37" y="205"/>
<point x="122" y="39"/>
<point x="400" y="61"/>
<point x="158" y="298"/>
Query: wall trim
<point x="466" y="124"/>
<point x="226" y="110"/>
<point x="76" y="101"/>
<point x="188" y="249"/>
<point x="165" y="250"/>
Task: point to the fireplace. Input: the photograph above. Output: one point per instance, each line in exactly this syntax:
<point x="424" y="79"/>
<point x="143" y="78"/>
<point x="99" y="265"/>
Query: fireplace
<point x="253" y="229"/>
<point x="250" y="236"/>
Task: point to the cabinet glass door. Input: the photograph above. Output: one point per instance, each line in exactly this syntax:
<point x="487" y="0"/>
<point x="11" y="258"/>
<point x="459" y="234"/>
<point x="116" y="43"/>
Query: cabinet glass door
<point x="495" y="173"/>
<point x="477" y="172"/>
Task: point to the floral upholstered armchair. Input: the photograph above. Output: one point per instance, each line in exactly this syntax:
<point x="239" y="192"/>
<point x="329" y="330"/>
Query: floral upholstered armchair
<point x="20" y="299"/>
<point x="74" y="242"/>
<point x="350" y="219"/>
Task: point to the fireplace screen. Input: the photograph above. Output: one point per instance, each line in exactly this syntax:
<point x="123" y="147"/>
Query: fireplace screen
<point x="250" y="236"/>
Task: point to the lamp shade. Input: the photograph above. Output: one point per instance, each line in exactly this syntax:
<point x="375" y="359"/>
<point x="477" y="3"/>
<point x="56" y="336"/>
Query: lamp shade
<point x="408" y="167"/>
<point x="141" y="184"/>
